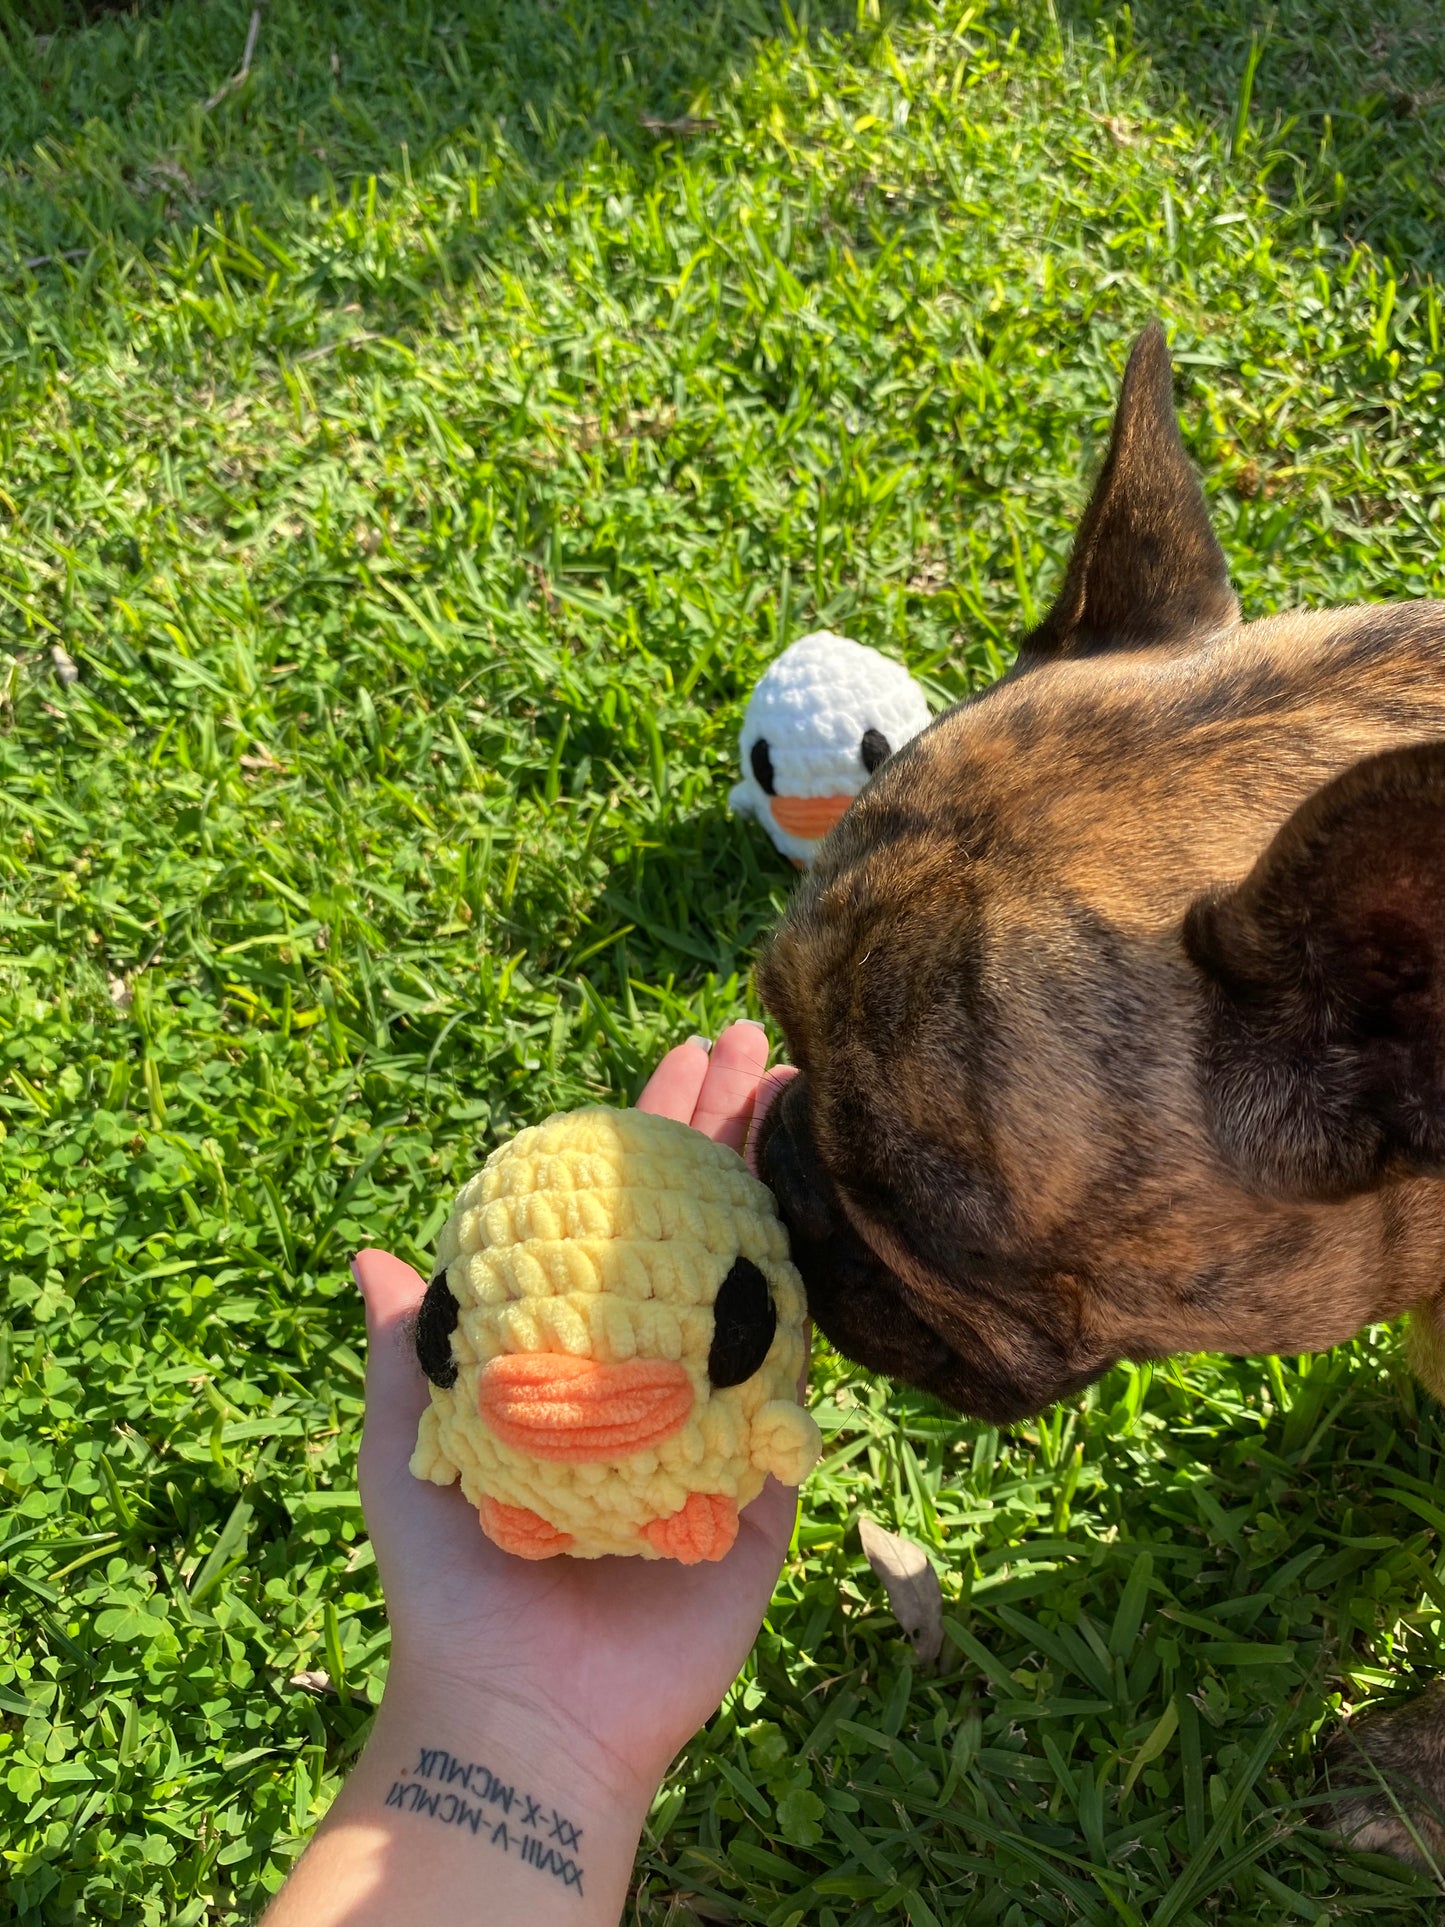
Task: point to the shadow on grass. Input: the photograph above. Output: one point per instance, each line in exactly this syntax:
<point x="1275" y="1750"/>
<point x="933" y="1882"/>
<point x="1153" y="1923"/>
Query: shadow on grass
<point x="708" y="896"/>
<point x="105" y="130"/>
<point x="1357" y="94"/>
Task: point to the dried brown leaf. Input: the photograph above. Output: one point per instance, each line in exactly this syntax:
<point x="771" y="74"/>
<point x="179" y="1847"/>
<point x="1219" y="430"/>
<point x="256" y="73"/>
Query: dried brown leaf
<point x="1119" y="130"/>
<point x="319" y="1684"/>
<point x="910" y="1583"/>
<point x="683" y="128"/>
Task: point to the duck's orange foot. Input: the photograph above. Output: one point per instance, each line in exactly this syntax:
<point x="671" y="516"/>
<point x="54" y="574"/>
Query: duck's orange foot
<point x="517" y="1529"/>
<point x="704" y="1529"/>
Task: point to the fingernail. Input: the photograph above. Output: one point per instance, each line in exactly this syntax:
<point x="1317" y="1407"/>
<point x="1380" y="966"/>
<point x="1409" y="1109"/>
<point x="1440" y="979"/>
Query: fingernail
<point x="355" y="1274"/>
<point x="703" y="1043"/>
<point x="755" y="1025"/>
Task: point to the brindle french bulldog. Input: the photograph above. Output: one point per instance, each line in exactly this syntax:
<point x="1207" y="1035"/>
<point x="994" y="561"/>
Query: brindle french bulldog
<point x="1119" y="995"/>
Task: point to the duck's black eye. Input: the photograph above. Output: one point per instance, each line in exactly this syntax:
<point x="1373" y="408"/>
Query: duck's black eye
<point x="762" y="763"/>
<point x="743" y="1323"/>
<point x="435" y="1323"/>
<point x="874" y="749"/>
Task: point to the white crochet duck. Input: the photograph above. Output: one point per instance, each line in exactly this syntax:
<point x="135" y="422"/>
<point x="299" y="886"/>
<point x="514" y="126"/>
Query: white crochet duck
<point x="818" y="724"/>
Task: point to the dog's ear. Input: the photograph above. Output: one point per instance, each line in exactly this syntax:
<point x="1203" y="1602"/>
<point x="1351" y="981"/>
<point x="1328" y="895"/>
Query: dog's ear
<point x="1324" y="972"/>
<point x="1146" y="567"/>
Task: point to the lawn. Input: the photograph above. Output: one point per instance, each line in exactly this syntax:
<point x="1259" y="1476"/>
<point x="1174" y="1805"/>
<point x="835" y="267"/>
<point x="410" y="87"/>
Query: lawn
<point x="410" y="461"/>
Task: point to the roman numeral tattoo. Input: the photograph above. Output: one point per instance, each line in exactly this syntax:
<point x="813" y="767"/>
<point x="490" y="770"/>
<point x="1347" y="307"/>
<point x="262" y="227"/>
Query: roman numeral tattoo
<point x="465" y="1794"/>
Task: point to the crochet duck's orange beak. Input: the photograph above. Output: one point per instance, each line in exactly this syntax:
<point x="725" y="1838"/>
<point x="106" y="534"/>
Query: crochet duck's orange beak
<point x="552" y="1405"/>
<point x="807" y="816"/>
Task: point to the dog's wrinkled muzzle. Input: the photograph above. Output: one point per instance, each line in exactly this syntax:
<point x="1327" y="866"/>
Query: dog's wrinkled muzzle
<point x="976" y="1347"/>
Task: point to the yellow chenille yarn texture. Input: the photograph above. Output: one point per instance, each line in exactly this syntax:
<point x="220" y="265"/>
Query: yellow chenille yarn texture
<point x="605" y="1235"/>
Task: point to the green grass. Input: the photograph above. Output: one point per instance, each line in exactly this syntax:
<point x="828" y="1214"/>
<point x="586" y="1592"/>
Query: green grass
<point x="419" y="461"/>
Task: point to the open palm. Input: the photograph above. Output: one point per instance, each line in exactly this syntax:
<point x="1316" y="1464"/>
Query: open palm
<point x="635" y="1654"/>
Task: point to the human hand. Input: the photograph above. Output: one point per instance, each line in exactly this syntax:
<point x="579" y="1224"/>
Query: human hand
<point x="619" y="1660"/>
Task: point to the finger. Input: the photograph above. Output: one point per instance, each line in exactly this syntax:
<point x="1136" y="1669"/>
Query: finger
<point x="766" y="1096"/>
<point x="673" y="1088"/>
<point x="396" y="1391"/>
<point x="725" y="1102"/>
<point x="772" y="1516"/>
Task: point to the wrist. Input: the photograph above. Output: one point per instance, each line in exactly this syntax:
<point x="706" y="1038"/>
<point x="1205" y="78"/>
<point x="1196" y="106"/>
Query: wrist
<point x="469" y="1804"/>
<point x="431" y="1723"/>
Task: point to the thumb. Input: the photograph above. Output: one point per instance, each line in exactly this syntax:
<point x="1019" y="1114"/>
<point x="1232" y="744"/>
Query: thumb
<point x="396" y="1391"/>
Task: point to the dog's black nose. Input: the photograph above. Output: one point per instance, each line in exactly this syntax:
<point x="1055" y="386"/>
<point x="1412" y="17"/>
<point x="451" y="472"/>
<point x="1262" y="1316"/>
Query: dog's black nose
<point x="789" y="1165"/>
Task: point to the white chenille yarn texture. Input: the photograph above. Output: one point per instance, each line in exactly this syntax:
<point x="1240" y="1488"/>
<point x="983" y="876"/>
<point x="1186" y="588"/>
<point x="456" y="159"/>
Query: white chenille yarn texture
<point x="813" y="707"/>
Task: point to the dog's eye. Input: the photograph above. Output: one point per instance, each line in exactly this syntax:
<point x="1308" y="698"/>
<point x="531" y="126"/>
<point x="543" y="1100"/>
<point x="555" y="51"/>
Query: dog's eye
<point x="762" y="763"/>
<point x="743" y="1323"/>
<point x="435" y="1323"/>
<point x="874" y="749"/>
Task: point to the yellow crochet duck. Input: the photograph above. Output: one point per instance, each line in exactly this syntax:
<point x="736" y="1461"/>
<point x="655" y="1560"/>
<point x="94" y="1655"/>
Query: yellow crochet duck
<point x="613" y="1336"/>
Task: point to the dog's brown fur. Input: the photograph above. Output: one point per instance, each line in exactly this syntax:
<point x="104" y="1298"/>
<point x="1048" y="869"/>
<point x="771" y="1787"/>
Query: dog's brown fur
<point x="1119" y="995"/>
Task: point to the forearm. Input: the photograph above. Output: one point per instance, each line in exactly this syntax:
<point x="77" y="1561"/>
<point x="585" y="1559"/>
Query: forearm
<point x="462" y="1814"/>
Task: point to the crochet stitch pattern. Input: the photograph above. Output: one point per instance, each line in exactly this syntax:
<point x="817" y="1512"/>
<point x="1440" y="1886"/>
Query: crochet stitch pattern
<point x="614" y="1335"/>
<point x="819" y="722"/>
